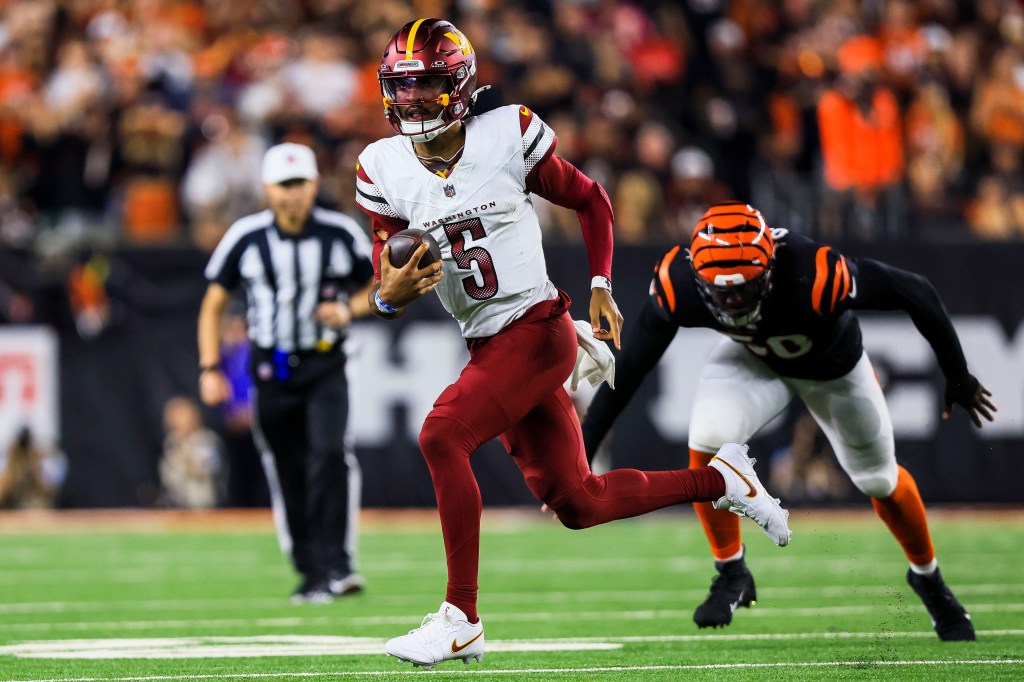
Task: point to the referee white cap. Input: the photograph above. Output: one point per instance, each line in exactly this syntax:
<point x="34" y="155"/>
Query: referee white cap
<point x="289" y="161"/>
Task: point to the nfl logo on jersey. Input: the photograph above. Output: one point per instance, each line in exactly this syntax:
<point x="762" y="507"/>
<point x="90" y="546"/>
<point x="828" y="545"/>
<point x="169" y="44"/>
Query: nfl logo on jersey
<point x="449" y="191"/>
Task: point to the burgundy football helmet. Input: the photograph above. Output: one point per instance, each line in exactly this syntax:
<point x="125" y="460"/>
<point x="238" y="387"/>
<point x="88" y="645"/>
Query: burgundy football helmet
<point x="428" y="60"/>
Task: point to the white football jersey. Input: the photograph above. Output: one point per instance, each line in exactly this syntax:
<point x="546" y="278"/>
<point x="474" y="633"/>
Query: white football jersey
<point x="481" y="215"/>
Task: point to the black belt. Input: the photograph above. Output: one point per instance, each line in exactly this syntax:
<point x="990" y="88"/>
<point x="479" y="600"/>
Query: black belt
<point x="282" y="364"/>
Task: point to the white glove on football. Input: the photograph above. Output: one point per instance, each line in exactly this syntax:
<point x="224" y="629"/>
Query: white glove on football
<point x="594" y="360"/>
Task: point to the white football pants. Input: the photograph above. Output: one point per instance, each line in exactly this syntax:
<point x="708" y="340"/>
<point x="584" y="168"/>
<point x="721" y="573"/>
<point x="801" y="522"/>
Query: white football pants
<point x="738" y="394"/>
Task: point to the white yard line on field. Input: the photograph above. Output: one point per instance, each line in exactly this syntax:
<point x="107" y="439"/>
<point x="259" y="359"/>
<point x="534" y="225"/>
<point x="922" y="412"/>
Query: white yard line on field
<point x="539" y="671"/>
<point x="573" y="597"/>
<point x="327" y="645"/>
<point x="118" y="576"/>
<point x="32" y="558"/>
<point x="250" y="647"/>
<point x="135" y="568"/>
<point x="349" y="622"/>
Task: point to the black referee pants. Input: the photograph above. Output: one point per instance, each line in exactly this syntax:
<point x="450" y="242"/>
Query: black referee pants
<point x="314" y="478"/>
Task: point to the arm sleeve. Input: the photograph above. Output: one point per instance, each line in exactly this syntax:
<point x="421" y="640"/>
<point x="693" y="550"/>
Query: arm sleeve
<point x="382" y="228"/>
<point x="384" y="219"/>
<point x="646" y="343"/>
<point x="563" y="184"/>
<point x="884" y="287"/>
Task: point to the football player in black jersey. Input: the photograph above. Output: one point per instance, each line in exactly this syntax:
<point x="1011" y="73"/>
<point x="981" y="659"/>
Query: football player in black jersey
<point x="785" y="304"/>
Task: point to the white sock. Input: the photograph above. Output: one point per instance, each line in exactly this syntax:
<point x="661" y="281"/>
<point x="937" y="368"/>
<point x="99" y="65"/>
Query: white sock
<point x="925" y="569"/>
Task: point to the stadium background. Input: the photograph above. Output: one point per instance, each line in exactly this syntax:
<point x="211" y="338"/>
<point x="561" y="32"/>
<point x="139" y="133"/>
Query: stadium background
<point x="131" y="132"/>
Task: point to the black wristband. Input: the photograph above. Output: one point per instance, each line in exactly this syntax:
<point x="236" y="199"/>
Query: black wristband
<point x="209" y="368"/>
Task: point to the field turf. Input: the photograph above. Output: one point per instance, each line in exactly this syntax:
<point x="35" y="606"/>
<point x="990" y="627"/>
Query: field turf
<point x="165" y="596"/>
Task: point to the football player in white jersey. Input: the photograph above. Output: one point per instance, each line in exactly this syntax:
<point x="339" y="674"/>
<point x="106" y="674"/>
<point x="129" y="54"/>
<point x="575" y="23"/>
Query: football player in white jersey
<point x="467" y="181"/>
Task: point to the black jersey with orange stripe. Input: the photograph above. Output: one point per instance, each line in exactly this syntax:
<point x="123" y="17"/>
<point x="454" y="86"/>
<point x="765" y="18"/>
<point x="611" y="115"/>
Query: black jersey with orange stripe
<point x="805" y="329"/>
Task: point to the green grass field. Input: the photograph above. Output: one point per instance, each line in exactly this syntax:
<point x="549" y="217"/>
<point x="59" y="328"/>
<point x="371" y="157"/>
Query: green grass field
<point x="207" y="600"/>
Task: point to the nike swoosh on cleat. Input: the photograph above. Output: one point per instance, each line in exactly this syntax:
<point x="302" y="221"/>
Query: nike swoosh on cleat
<point x="751" y="492"/>
<point x="456" y="647"/>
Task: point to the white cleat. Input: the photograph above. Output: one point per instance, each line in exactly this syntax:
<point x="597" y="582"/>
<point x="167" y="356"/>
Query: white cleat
<point x="745" y="496"/>
<point x="443" y="636"/>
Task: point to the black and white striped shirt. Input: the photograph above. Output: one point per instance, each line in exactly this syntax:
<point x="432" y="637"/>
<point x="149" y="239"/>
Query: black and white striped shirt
<point x="286" y="276"/>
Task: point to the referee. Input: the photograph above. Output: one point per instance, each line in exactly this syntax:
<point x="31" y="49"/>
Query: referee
<point x="305" y="272"/>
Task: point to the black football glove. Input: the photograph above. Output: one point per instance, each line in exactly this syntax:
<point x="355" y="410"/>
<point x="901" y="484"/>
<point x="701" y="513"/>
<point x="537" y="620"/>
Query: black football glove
<point x="972" y="396"/>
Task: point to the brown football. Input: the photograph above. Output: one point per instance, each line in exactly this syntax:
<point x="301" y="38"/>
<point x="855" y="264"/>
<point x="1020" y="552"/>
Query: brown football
<point x="404" y="243"/>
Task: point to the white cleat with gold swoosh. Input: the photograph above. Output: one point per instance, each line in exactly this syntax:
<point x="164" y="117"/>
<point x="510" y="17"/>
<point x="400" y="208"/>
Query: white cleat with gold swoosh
<point x="443" y="636"/>
<point x="745" y="496"/>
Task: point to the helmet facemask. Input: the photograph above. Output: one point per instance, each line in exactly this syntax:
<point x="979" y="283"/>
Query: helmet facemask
<point x="733" y="301"/>
<point x="405" y="94"/>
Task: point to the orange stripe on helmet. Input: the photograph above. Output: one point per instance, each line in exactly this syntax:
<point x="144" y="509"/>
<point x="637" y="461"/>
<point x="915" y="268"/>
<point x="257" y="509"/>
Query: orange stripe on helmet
<point x="731" y="240"/>
<point x="734" y="214"/>
<point x="846" y="278"/>
<point x="820" y="278"/>
<point x="666" y="281"/>
<point x="837" y="283"/>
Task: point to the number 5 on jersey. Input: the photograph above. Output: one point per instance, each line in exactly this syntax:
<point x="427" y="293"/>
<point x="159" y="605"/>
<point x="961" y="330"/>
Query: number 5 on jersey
<point x="456" y="233"/>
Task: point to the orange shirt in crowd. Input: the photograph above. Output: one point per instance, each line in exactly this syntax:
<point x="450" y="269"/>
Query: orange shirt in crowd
<point x="862" y="152"/>
<point x="16" y="84"/>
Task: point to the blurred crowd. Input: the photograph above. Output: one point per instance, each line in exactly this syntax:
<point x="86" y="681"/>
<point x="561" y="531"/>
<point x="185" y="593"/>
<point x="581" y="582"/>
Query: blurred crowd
<point x="30" y="473"/>
<point x="143" y="121"/>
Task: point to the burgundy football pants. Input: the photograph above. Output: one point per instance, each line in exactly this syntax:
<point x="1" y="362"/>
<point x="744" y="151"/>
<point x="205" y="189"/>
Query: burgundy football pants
<point x="512" y="389"/>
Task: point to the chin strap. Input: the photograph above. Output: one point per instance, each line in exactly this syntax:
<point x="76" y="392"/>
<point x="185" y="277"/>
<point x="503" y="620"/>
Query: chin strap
<point x="472" y="98"/>
<point x="427" y="137"/>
